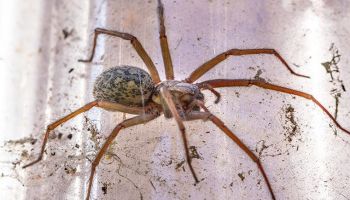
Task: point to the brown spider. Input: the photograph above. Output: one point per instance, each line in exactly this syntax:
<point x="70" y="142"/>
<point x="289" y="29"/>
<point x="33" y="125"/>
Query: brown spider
<point x="132" y="90"/>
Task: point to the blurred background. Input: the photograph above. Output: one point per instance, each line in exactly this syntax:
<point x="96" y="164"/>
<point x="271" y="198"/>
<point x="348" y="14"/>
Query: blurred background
<point x="304" y="154"/>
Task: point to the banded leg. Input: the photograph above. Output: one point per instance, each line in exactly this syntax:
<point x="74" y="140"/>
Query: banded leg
<point x="166" y="96"/>
<point x="168" y="64"/>
<point x="204" y="68"/>
<point x="262" y="84"/>
<point x="208" y="115"/>
<point x="135" y="43"/>
<point x="124" y="124"/>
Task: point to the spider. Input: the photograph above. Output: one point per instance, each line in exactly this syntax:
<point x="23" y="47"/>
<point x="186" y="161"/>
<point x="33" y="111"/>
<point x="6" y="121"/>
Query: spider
<point x="132" y="90"/>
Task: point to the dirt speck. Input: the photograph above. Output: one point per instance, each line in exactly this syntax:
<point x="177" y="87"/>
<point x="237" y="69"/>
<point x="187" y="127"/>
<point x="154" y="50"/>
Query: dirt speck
<point x="257" y="75"/>
<point x="241" y="176"/>
<point x="104" y="188"/>
<point x="194" y="153"/>
<point x="332" y="68"/>
<point x="180" y="164"/>
<point x="291" y="137"/>
<point x="22" y="141"/>
<point x="95" y="134"/>
<point x="260" y="147"/>
<point x="291" y="125"/>
<point x="70" y="170"/>
<point x="24" y="154"/>
<point x="67" y="32"/>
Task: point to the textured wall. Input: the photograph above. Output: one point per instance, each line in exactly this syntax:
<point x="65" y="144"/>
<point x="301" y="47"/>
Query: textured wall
<point x="304" y="154"/>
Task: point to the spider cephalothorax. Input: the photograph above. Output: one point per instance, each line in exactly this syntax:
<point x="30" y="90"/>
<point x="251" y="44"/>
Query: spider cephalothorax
<point x="183" y="94"/>
<point x="132" y="90"/>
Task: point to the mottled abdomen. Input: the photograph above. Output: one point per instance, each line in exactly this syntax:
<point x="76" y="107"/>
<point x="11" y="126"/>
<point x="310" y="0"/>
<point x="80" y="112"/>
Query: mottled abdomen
<point x="130" y="86"/>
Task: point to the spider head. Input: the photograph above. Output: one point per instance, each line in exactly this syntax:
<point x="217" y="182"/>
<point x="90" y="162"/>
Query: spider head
<point x="183" y="95"/>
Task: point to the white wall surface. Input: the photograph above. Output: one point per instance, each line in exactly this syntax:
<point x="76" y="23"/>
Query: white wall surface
<point x="41" y="80"/>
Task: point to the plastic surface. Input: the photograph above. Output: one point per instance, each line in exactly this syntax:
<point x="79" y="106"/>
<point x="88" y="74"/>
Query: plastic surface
<point x="304" y="154"/>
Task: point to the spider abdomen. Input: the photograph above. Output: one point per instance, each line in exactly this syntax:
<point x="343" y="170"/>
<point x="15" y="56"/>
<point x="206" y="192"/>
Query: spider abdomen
<point x="126" y="85"/>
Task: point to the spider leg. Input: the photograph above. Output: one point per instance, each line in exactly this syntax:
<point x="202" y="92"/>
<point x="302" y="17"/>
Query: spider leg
<point x="166" y="96"/>
<point x="208" y="115"/>
<point x="124" y="124"/>
<point x="53" y="125"/>
<point x="101" y="104"/>
<point x="196" y="115"/>
<point x="212" y="90"/>
<point x="205" y="67"/>
<point x="260" y="83"/>
<point x="135" y="43"/>
<point x="169" y="71"/>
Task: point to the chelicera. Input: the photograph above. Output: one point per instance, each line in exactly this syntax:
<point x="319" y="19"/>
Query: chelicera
<point x="132" y="90"/>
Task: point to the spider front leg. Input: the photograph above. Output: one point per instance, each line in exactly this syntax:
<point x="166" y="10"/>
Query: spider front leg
<point x="135" y="43"/>
<point x="262" y="84"/>
<point x="167" y="97"/>
<point x="124" y="124"/>
<point x="168" y="64"/>
<point x="204" y="68"/>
